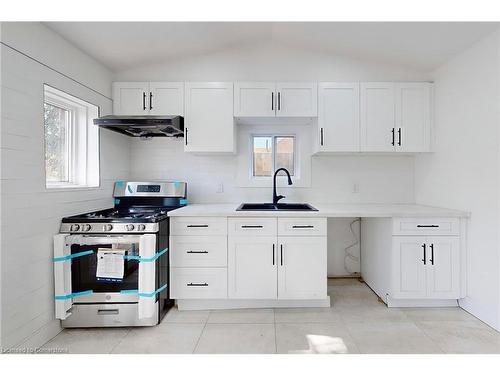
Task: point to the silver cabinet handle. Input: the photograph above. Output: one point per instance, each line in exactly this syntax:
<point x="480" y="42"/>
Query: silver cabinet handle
<point x="197" y="284"/>
<point x="108" y="312"/>
<point x="197" y="252"/>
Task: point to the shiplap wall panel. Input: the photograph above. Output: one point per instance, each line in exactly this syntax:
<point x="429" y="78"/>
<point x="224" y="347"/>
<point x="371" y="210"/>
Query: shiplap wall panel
<point x="31" y="214"/>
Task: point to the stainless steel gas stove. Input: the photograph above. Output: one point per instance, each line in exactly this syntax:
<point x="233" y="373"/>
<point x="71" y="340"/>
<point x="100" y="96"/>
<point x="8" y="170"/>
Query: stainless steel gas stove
<point x="111" y="266"/>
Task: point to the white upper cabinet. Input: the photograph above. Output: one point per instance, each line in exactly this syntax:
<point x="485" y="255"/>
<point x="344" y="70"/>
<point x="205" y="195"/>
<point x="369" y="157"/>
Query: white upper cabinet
<point x="209" y="121"/>
<point x="377" y="116"/>
<point x="271" y="99"/>
<point x="254" y="99"/>
<point x="148" y="98"/>
<point x="396" y="116"/>
<point x="166" y="98"/>
<point x="413" y="116"/>
<point x="130" y="98"/>
<point x="296" y="99"/>
<point x="338" y="117"/>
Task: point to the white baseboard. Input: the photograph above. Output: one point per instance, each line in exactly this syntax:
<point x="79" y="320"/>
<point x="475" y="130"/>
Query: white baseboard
<point x="218" y="304"/>
<point x="421" y="302"/>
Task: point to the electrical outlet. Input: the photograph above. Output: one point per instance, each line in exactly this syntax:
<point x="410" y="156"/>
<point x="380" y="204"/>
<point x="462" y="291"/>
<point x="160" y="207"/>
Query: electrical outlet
<point x="220" y="188"/>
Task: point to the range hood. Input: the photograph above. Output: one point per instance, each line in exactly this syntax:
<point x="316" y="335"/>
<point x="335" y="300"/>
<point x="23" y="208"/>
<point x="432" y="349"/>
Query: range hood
<point x="143" y="126"/>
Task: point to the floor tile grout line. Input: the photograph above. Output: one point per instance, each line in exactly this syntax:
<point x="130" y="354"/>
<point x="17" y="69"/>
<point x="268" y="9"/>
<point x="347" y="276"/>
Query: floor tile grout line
<point x="201" y="333"/>
<point x="120" y="340"/>
<point x="431" y="339"/>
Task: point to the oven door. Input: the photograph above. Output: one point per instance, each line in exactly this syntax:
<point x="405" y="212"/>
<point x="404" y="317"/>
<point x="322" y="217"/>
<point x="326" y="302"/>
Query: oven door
<point x="75" y="272"/>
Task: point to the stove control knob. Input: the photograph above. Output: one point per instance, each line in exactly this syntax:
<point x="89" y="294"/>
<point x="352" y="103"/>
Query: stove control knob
<point x="108" y="227"/>
<point x="75" y="228"/>
<point x="130" y="227"/>
<point x="141" y="227"/>
<point x="86" y="227"/>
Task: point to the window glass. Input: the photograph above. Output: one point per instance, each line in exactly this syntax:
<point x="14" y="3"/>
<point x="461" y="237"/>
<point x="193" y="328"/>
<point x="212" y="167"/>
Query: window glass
<point x="285" y="153"/>
<point x="57" y="156"/>
<point x="262" y="156"/>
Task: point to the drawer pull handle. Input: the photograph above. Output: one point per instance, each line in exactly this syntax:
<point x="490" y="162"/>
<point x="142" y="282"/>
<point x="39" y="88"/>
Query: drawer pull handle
<point x="197" y="252"/>
<point x="197" y="226"/>
<point x="197" y="284"/>
<point x="302" y="226"/>
<point x="427" y="226"/>
<point x="108" y="312"/>
<point x="252" y="226"/>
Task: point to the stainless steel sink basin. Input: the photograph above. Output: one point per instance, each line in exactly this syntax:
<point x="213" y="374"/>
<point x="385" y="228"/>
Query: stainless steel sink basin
<point x="276" y="207"/>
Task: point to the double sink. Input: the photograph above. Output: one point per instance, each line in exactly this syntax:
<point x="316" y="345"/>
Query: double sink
<point x="275" y="207"/>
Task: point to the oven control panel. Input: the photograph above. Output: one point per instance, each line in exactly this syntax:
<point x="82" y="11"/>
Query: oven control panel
<point x="109" y="228"/>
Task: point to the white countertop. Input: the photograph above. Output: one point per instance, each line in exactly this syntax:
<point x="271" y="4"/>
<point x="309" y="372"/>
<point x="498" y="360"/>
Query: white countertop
<point x="324" y="210"/>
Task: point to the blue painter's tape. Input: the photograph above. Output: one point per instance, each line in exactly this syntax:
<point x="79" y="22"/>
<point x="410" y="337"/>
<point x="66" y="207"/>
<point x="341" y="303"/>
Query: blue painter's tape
<point x="152" y="294"/>
<point x="73" y="295"/>
<point x="117" y="201"/>
<point x="177" y="184"/>
<point x="120" y="184"/>
<point x="147" y="295"/>
<point x="183" y="202"/>
<point x="140" y="259"/>
<point x="71" y="256"/>
<point x="129" y="291"/>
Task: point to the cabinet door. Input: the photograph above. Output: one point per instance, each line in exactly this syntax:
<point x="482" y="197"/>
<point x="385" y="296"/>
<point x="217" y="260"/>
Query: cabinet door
<point x="166" y="98"/>
<point x="130" y="98"/>
<point x="443" y="267"/>
<point x="209" y="121"/>
<point x="338" y="117"/>
<point x="296" y="99"/>
<point x="302" y="267"/>
<point x="408" y="279"/>
<point x="377" y="116"/>
<point x="413" y="117"/>
<point x="254" y="99"/>
<point x="252" y="267"/>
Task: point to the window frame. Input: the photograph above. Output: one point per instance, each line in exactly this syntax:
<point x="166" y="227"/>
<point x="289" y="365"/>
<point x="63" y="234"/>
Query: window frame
<point x="274" y="137"/>
<point x="80" y="141"/>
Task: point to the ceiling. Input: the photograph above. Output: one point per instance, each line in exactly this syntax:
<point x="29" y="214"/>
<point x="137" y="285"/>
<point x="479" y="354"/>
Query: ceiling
<point x="419" y="45"/>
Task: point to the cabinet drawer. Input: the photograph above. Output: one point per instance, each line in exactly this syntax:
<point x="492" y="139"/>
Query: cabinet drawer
<point x="252" y="226"/>
<point x="198" y="283"/>
<point x="298" y="226"/>
<point x="198" y="251"/>
<point x="198" y="226"/>
<point x="426" y="226"/>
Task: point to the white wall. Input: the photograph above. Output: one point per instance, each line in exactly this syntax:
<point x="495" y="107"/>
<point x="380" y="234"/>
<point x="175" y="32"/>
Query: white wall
<point x="464" y="170"/>
<point x="31" y="214"/>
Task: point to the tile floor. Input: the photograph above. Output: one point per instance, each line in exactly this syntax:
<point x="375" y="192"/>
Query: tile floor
<point x="356" y="323"/>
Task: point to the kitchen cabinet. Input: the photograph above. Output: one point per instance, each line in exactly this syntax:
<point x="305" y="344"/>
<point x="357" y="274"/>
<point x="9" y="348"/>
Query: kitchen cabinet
<point x="148" y="98"/>
<point x="377" y="116"/>
<point x="209" y="121"/>
<point x="425" y="267"/>
<point x="265" y="266"/>
<point x="254" y="99"/>
<point x="413" y="116"/>
<point x="252" y="267"/>
<point x="338" y="117"/>
<point x="302" y="273"/>
<point x="275" y="99"/>
<point x="395" y="117"/>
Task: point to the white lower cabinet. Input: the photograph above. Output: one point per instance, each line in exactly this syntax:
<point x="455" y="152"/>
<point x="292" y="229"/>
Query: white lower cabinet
<point x="425" y="267"/>
<point x="278" y="267"/>
<point x="252" y="267"/>
<point x="302" y="271"/>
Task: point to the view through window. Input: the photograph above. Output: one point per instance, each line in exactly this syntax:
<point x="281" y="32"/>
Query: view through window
<point x="271" y="153"/>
